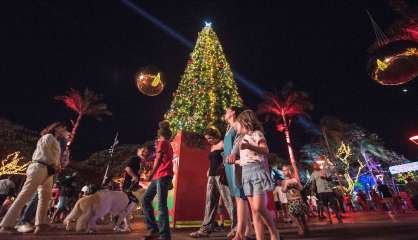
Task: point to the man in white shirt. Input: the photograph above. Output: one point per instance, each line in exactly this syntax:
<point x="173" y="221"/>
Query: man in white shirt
<point x="45" y="162"/>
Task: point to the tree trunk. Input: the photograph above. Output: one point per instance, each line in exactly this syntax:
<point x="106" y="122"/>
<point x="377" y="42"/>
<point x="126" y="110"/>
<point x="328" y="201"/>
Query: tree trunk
<point x="75" y="127"/>
<point x="331" y="156"/>
<point x="290" y="149"/>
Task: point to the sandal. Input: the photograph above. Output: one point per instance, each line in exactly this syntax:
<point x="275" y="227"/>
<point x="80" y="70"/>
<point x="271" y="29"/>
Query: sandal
<point x="199" y="234"/>
<point x="231" y="235"/>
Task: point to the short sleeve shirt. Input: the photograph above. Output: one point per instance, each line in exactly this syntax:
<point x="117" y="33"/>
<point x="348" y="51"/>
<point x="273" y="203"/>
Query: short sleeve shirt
<point x="135" y="164"/>
<point x="248" y="156"/>
<point x="165" y="150"/>
<point x="322" y="185"/>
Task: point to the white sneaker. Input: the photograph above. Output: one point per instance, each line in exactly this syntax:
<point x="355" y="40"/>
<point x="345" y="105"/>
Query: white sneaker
<point x="25" y="228"/>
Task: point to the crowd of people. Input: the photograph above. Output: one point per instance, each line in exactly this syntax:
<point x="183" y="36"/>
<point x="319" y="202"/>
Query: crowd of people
<point x="239" y="184"/>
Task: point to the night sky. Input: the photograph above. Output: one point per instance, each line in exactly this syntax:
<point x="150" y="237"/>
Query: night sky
<point x="48" y="47"/>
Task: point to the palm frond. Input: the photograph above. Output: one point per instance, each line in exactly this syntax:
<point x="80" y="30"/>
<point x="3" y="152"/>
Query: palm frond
<point x="86" y="103"/>
<point x="293" y="104"/>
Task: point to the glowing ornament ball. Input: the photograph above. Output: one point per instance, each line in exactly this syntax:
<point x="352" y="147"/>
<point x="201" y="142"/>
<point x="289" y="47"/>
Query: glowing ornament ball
<point x="394" y="63"/>
<point x="150" y="82"/>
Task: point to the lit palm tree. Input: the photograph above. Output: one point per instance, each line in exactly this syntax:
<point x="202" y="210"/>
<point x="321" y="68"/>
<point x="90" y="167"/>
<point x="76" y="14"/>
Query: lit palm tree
<point x="283" y="108"/>
<point x="84" y="104"/>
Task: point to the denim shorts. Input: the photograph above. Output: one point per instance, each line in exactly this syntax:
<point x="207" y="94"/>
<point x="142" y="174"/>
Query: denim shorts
<point x="256" y="180"/>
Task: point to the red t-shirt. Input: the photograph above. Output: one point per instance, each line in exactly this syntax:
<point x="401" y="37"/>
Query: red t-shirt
<point x="166" y="166"/>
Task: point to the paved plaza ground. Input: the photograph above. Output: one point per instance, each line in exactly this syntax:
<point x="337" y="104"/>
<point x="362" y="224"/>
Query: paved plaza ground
<point x="363" y="225"/>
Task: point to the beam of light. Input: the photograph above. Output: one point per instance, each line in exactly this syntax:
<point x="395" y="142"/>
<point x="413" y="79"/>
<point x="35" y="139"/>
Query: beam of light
<point x="170" y="31"/>
<point x="250" y="85"/>
<point x="158" y="23"/>
<point x="308" y="125"/>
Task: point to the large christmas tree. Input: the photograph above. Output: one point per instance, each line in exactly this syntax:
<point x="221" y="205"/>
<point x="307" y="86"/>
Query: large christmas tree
<point x="206" y="89"/>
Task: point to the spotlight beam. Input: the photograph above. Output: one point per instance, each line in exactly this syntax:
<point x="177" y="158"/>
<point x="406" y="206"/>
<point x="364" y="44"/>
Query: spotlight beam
<point x="184" y="41"/>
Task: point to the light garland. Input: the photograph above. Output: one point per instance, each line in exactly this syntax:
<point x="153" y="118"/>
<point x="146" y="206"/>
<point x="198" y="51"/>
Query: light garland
<point x="343" y="154"/>
<point x="11" y="165"/>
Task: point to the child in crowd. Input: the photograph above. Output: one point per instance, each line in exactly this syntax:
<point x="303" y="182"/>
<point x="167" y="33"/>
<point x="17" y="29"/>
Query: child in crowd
<point x="256" y="180"/>
<point x="160" y="176"/>
<point x="297" y="208"/>
<point x="313" y="205"/>
<point x="281" y="202"/>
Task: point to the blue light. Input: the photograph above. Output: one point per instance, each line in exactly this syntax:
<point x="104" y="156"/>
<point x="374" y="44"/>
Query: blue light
<point x="208" y="24"/>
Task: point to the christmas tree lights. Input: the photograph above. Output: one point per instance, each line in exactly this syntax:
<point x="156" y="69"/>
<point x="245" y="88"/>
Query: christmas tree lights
<point x="11" y="165"/>
<point x="206" y="89"/>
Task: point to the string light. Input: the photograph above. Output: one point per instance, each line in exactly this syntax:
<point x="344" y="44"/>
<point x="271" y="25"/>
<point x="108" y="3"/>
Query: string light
<point x="344" y="153"/>
<point x="11" y="165"/>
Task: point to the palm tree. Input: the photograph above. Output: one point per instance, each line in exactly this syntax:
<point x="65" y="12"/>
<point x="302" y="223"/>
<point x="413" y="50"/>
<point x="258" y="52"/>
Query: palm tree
<point x="283" y="107"/>
<point x="84" y="104"/>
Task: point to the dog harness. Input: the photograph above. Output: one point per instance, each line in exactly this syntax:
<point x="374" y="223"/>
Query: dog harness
<point x="131" y="198"/>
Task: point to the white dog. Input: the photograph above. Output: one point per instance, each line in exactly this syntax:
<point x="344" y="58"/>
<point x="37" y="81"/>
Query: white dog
<point x="89" y="209"/>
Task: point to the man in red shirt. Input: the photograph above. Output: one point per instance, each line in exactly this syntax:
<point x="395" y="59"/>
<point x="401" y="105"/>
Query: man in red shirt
<point x="160" y="177"/>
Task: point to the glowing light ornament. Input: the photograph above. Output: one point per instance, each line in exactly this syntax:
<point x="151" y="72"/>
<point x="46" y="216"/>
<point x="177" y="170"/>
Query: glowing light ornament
<point x="150" y="82"/>
<point x="399" y="54"/>
<point x="11" y="165"/>
<point x="400" y="64"/>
